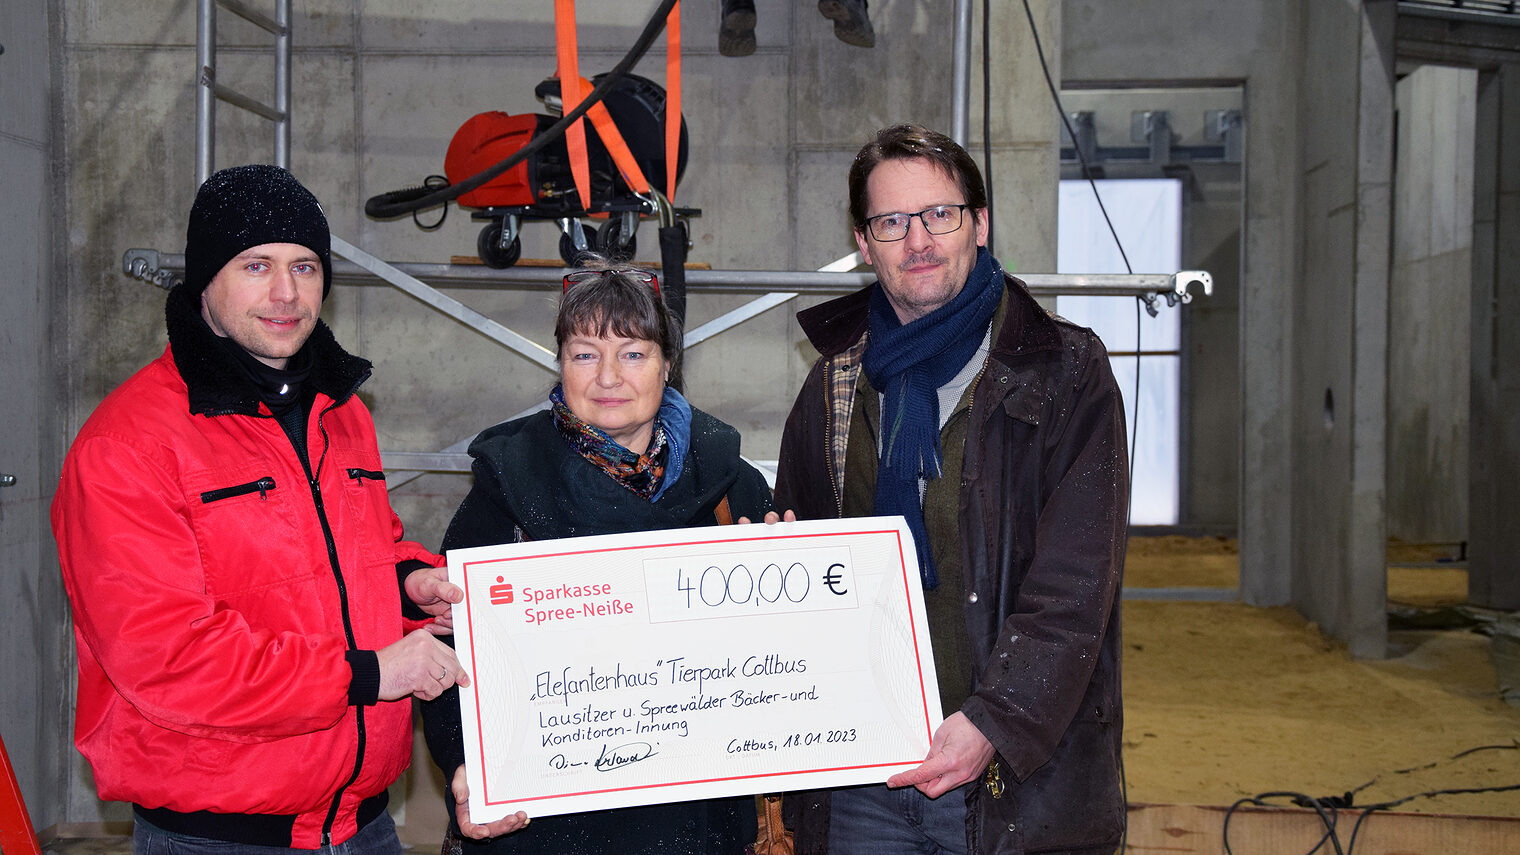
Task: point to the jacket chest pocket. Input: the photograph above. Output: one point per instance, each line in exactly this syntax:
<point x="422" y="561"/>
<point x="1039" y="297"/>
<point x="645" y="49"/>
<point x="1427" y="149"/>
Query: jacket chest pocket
<point x="361" y="475"/>
<point x="246" y="529"/>
<point x="365" y="508"/>
<point x="365" y="529"/>
<point x="365" y="499"/>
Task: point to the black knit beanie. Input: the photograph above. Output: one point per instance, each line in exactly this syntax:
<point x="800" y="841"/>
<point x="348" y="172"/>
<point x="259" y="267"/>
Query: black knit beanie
<point x="246" y="206"/>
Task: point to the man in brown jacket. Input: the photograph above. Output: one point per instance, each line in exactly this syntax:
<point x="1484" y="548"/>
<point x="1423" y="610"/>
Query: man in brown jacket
<point x="945" y="393"/>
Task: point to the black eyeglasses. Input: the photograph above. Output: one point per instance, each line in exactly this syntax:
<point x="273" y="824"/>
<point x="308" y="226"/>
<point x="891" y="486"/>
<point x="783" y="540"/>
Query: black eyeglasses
<point x="939" y="220"/>
<point x="637" y="274"/>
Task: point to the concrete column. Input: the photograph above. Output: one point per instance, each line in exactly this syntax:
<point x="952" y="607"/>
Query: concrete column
<point x="1493" y="574"/>
<point x="1363" y="624"/>
<point x="36" y="670"/>
<point x="1341" y="324"/>
<point x="1271" y="250"/>
<point x="1430" y="319"/>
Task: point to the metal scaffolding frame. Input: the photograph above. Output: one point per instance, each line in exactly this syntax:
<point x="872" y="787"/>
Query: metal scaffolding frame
<point x="161" y="268"/>
<point x="354" y="265"/>
<point x="360" y="267"/>
<point x="209" y="91"/>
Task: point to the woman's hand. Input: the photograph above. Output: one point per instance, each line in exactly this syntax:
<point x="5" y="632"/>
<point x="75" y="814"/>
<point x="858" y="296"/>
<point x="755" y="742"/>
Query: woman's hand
<point x="505" y="825"/>
<point x="771" y="517"/>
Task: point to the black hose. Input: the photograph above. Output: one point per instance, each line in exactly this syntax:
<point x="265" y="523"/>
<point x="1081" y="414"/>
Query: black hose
<point x="673" y="269"/>
<point x="673" y="289"/>
<point x="398" y="202"/>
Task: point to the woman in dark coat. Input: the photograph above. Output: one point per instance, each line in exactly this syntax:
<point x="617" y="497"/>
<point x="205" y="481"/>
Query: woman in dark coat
<point x="619" y="450"/>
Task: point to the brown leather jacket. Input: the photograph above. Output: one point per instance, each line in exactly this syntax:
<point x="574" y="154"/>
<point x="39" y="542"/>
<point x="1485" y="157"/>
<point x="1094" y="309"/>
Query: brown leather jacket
<point x="1043" y="505"/>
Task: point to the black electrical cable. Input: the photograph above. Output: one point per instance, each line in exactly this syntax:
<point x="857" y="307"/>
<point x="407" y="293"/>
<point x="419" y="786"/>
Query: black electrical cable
<point x="388" y="205"/>
<point x="1327" y="811"/>
<point x="1369" y="810"/>
<point x="1066" y="120"/>
<point x="1356" y="829"/>
<point x="1327" y="808"/>
<point x="1055" y="96"/>
<point x="430" y="183"/>
<point x="1509" y="746"/>
<point x="1134" y="428"/>
<point x="1087" y="173"/>
<point x="1428" y="794"/>
<point x="987" y="112"/>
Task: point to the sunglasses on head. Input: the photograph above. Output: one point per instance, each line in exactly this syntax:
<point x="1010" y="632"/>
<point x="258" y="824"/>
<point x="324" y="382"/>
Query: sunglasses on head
<point x="637" y="274"/>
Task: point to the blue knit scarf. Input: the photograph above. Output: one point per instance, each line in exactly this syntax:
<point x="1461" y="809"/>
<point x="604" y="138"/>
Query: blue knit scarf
<point x="649" y="474"/>
<point x="907" y="364"/>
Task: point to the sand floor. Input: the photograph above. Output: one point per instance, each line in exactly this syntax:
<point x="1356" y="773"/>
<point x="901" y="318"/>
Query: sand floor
<point x="1225" y="701"/>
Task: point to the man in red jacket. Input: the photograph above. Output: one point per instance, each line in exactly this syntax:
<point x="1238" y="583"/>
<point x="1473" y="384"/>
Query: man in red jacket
<point x="237" y="575"/>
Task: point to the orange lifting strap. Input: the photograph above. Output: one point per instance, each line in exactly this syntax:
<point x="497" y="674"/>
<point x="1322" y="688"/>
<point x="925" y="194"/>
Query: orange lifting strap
<point x="16" y="835"/>
<point x="573" y="88"/>
<point x="672" y="99"/>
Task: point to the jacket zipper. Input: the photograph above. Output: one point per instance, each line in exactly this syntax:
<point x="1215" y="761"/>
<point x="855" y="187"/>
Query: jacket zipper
<point x="261" y="486"/>
<point x="359" y="474"/>
<point x="348" y="627"/>
<point x="975" y="382"/>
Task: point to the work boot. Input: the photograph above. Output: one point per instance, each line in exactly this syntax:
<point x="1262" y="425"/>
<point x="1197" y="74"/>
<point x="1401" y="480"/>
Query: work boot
<point x="851" y="24"/>
<point x="736" y="27"/>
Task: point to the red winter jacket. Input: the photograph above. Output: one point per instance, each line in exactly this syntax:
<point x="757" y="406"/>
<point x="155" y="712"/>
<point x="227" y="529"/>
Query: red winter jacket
<point x="213" y="612"/>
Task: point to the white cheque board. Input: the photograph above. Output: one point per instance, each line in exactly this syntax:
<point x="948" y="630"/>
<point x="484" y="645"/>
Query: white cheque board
<point x="663" y="666"/>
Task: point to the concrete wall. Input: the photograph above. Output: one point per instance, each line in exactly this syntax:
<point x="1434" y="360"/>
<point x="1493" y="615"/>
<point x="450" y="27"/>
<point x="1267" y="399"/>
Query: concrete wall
<point x="1494" y="578"/>
<point x="1429" y="314"/>
<point x="1341" y="323"/>
<point x="1256" y="45"/>
<point x="1493" y="434"/>
<point x="1313" y="299"/>
<point x="380" y="88"/>
<point x="35" y="668"/>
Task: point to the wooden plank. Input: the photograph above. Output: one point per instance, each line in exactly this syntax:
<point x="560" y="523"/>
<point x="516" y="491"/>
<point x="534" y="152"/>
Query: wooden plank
<point x="1199" y="830"/>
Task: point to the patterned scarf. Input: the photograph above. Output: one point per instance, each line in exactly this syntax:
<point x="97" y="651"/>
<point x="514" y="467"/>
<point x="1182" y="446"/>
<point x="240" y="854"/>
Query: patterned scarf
<point x="644" y="474"/>
<point x="908" y="363"/>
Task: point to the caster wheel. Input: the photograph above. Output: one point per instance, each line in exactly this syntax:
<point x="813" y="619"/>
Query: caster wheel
<point x="567" y="251"/>
<point x="606" y="242"/>
<point x="488" y="245"/>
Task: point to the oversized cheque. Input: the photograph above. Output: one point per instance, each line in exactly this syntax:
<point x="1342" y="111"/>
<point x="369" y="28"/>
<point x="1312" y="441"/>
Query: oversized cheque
<point x="668" y="665"/>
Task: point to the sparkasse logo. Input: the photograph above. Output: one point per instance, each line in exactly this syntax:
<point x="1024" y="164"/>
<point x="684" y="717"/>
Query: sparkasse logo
<point x="501" y="594"/>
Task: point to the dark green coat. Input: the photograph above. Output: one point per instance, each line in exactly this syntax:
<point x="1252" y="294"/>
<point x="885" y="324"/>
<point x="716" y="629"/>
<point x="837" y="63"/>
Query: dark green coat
<point x="1042" y="505"/>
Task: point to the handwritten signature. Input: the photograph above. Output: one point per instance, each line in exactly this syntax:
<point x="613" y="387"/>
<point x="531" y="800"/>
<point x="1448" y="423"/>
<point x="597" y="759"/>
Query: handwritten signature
<point x="623" y="755"/>
<point x="560" y="761"/>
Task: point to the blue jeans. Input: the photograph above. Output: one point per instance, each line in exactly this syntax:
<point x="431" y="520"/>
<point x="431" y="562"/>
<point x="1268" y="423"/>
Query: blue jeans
<point x="877" y="821"/>
<point x="376" y="838"/>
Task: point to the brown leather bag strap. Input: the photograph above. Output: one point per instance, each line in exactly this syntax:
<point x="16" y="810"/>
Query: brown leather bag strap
<point x="722" y="512"/>
<point x="773" y="838"/>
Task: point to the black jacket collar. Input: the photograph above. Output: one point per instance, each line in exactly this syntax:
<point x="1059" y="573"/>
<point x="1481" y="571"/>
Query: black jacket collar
<point x="840" y="323"/>
<point x="219" y="387"/>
